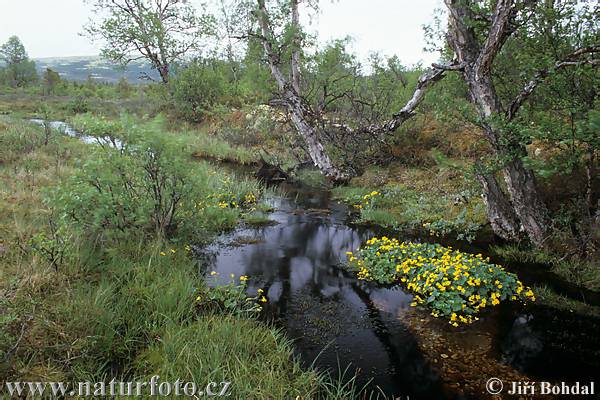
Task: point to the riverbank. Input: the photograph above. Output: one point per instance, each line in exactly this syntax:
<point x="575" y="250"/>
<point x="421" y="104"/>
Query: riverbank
<point x="83" y="299"/>
<point x="123" y="273"/>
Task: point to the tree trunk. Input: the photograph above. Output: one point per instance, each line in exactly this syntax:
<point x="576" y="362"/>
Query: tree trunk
<point x="501" y="215"/>
<point x="526" y="200"/>
<point x="520" y="181"/>
<point x="294" y="103"/>
<point x="163" y="70"/>
<point x="315" y="148"/>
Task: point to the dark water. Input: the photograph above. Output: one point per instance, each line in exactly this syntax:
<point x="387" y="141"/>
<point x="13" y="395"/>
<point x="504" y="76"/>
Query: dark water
<point x="333" y="317"/>
<point x="339" y="323"/>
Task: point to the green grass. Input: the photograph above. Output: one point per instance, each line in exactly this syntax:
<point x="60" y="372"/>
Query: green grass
<point x="416" y="200"/>
<point x="212" y="147"/>
<point x="256" y="360"/>
<point x="258" y="218"/>
<point x="581" y="272"/>
<point x="127" y="307"/>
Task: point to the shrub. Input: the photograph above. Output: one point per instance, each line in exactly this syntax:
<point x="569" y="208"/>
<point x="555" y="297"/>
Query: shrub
<point x="453" y="284"/>
<point x="79" y="105"/>
<point x="196" y="89"/>
<point x="148" y="185"/>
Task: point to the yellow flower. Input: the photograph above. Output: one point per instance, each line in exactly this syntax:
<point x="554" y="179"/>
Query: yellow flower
<point x="260" y="291"/>
<point x="263" y="299"/>
<point x="162" y="253"/>
<point x="243" y="278"/>
<point x="173" y="251"/>
<point x="198" y="298"/>
<point x="213" y="273"/>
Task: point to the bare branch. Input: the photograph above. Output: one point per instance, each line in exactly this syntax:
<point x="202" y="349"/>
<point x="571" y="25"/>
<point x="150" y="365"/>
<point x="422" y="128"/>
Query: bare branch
<point x="426" y="80"/>
<point x="500" y="30"/>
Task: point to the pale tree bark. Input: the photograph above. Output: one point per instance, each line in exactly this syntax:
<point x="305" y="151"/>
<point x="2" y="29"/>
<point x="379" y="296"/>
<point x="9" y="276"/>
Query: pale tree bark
<point x="525" y="211"/>
<point x="503" y="220"/>
<point x="295" y="62"/>
<point x="525" y="199"/>
<point x="298" y="111"/>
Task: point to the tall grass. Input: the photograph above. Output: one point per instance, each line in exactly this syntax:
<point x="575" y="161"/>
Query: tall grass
<point x="123" y="308"/>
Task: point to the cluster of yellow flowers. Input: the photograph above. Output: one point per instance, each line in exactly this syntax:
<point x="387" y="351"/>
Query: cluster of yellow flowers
<point x="367" y="199"/>
<point x="454" y="284"/>
<point x="228" y="199"/>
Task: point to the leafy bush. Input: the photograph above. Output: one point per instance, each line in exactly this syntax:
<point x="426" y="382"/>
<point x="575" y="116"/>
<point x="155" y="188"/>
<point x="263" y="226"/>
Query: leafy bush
<point x="453" y="284"/>
<point x="230" y="298"/>
<point x="148" y="185"/>
<point x="79" y="105"/>
<point x="196" y="89"/>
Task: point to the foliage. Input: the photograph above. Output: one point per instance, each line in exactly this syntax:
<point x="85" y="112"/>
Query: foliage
<point x="139" y="180"/>
<point x="52" y="245"/>
<point x="161" y="32"/>
<point x="51" y="80"/>
<point x="19" y="70"/>
<point x="79" y="105"/>
<point x="230" y="298"/>
<point x="196" y="89"/>
<point x="17" y="141"/>
<point x="121" y="309"/>
<point x="436" y="211"/>
<point x="452" y="284"/>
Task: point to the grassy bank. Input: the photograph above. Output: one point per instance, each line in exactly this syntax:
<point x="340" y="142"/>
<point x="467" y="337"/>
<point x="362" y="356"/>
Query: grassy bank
<point x="434" y="200"/>
<point x="96" y="278"/>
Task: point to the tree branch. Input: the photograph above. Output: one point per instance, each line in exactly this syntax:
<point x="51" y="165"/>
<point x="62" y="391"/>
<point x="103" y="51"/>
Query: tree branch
<point x="426" y="80"/>
<point x="540" y="76"/>
<point x="500" y="30"/>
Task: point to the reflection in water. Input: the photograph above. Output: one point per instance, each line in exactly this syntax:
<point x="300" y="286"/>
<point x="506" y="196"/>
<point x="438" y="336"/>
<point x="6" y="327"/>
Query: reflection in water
<point x="335" y="319"/>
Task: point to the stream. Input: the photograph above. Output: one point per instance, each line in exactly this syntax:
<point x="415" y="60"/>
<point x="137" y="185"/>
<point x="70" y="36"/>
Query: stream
<point x="339" y="323"/>
<point x="351" y="327"/>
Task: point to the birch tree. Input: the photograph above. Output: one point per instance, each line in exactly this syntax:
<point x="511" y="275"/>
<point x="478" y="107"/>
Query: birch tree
<point x="159" y="31"/>
<point x="477" y="33"/>
<point x="308" y="123"/>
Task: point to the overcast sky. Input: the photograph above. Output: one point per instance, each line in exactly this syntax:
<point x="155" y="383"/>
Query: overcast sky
<point x="51" y="28"/>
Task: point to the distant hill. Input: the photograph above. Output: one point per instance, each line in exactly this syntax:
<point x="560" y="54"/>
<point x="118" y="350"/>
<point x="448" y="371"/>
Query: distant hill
<point x="80" y="68"/>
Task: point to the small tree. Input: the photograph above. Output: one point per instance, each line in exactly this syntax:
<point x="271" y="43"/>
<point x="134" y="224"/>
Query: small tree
<point x="51" y="81"/>
<point x="20" y="70"/>
<point x="160" y="31"/>
<point x="278" y="28"/>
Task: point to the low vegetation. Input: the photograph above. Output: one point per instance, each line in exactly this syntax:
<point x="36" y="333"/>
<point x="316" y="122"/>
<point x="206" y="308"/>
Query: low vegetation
<point x="97" y="270"/>
<point x="453" y="284"/>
